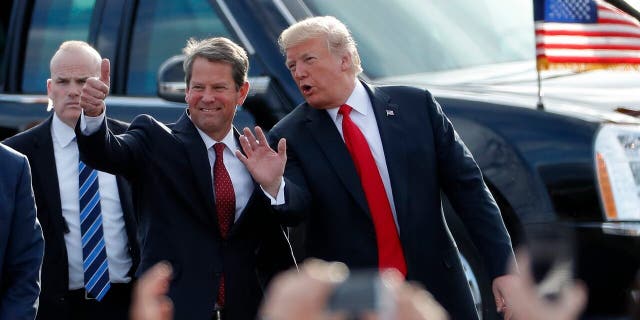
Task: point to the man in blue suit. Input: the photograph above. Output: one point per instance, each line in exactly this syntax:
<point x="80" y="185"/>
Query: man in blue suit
<point x="21" y="241"/>
<point x="199" y="208"/>
<point x="366" y="165"/>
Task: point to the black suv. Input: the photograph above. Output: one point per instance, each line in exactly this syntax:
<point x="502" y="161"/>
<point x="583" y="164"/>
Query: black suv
<point x="572" y="163"/>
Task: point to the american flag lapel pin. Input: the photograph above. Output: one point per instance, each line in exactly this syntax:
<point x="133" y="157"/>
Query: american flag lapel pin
<point x="390" y="113"/>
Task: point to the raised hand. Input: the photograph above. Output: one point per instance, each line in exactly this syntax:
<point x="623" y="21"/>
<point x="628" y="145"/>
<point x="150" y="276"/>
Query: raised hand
<point x="95" y="90"/>
<point x="265" y="165"/>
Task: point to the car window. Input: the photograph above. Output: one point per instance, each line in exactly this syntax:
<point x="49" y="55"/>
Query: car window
<point x="161" y="30"/>
<point x="436" y="35"/>
<point x="5" y="15"/>
<point x="52" y="22"/>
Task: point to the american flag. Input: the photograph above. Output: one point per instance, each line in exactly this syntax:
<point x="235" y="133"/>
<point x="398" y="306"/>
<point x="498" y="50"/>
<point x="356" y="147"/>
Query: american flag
<point x="585" y="35"/>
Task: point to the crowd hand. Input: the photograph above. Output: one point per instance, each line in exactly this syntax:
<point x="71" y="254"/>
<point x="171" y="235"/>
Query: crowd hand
<point x="95" y="90"/>
<point x="503" y="287"/>
<point x="265" y="165"/>
<point x="295" y="295"/>
<point x="527" y="304"/>
<point x="412" y="302"/>
<point x="150" y="301"/>
<point x="305" y="294"/>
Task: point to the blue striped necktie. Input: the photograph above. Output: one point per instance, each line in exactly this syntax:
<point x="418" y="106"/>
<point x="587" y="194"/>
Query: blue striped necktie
<point x="94" y="253"/>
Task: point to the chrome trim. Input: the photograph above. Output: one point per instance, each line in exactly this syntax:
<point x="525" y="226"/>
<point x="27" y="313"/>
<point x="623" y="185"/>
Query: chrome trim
<point x="24" y="98"/>
<point x="175" y="87"/>
<point x="621" y="228"/>
<point x="236" y="27"/>
<point x="284" y="11"/>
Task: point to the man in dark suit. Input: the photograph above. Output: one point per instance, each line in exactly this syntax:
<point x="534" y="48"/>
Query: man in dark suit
<point x="366" y="165"/>
<point x="68" y="291"/>
<point x="21" y="242"/>
<point x="200" y="209"/>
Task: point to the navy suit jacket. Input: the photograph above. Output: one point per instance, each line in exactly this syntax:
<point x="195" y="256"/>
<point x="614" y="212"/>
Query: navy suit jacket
<point x="37" y="144"/>
<point x="21" y="242"/>
<point x="424" y="156"/>
<point x="173" y="195"/>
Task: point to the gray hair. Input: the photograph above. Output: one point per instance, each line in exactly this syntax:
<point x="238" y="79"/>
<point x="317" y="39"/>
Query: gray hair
<point x="217" y="49"/>
<point x="339" y="39"/>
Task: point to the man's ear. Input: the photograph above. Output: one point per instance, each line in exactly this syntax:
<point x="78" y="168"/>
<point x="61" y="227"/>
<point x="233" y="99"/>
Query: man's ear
<point x="244" y="91"/>
<point x="345" y="61"/>
<point x="50" y="104"/>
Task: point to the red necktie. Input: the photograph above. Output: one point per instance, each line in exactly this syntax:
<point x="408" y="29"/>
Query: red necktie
<point x="390" y="254"/>
<point x="225" y="204"/>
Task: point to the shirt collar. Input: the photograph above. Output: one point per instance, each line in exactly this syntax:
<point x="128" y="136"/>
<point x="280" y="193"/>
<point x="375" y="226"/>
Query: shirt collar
<point x="63" y="133"/>
<point x="357" y="101"/>
<point x="229" y="140"/>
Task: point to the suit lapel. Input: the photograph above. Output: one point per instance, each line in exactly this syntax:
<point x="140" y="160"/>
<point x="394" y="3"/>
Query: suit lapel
<point x="48" y="178"/>
<point x="324" y="131"/>
<point x="393" y="135"/>
<point x="195" y="149"/>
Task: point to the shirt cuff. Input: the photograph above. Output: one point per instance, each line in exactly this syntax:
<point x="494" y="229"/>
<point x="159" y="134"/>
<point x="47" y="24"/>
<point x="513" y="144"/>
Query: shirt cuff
<point x="279" y="199"/>
<point x="90" y="125"/>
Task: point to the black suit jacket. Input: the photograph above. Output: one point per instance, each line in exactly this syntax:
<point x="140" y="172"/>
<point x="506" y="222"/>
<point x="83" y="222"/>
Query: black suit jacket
<point x="173" y="193"/>
<point x="424" y="155"/>
<point x="37" y="144"/>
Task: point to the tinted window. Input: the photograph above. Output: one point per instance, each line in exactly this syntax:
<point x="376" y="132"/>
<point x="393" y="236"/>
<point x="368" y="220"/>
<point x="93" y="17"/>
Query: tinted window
<point x="161" y="30"/>
<point x="429" y="36"/>
<point x="53" y="22"/>
<point x="5" y="11"/>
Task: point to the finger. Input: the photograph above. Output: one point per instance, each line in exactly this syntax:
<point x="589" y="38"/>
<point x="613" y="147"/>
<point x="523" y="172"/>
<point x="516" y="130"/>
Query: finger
<point x="251" y="138"/>
<point x="88" y="101"/>
<point x="89" y="90"/>
<point x="95" y="88"/>
<point x="508" y="314"/>
<point x="242" y="158"/>
<point x="246" y="147"/>
<point x="105" y="72"/>
<point x="500" y="305"/>
<point x="166" y="309"/>
<point x="282" y="149"/>
<point x="157" y="279"/>
<point x="262" y="139"/>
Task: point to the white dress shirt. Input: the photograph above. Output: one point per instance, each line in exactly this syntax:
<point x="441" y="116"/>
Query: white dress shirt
<point x="363" y="117"/>
<point x="66" y="154"/>
<point x="240" y="176"/>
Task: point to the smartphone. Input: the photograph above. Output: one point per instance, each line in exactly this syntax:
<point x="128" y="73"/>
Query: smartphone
<point x="362" y="293"/>
<point x="551" y="247"/>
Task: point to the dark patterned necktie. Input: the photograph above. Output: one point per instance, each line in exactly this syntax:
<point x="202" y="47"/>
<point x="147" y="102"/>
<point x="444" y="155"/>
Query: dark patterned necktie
<point x="225" y="204"/>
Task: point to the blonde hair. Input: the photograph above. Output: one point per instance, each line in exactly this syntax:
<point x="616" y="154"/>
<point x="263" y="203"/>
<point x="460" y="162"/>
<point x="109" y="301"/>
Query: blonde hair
<point x="339" y="39"/>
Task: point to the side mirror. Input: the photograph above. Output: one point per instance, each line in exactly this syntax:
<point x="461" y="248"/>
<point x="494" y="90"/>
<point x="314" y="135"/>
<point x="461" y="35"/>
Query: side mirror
<point x="171" y="85"/>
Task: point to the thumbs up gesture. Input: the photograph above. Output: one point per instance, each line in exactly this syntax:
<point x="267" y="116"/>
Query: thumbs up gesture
<point x="95" y="90"/>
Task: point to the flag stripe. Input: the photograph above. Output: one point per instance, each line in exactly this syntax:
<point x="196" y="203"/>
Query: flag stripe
<point x="609" y="60"/>
<point x="589" y="46"/>
<point x="569" y="40"/>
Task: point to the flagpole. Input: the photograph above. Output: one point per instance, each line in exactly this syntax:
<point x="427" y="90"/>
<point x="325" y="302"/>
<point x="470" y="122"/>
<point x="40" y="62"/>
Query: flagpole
<point x="540" y="104"/>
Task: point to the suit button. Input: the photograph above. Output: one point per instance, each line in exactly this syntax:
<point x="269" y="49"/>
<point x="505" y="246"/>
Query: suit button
<point x="61" y="299"/>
